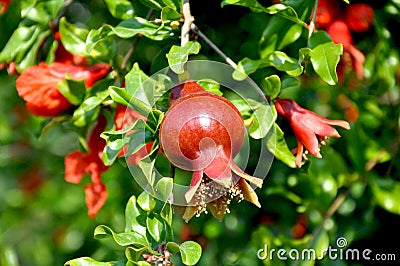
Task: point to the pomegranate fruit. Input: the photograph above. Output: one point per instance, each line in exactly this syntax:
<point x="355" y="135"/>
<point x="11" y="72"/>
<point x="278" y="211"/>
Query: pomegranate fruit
<point x="359" y="17"/>
<point x="202" y="133"/>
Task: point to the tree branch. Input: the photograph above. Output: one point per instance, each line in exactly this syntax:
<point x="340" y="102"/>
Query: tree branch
<point x="185" y="31"/>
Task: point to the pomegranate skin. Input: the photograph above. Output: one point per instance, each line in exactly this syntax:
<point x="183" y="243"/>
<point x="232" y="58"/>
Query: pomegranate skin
<point x="196" y="125"/>
<point x="201" y="133"/>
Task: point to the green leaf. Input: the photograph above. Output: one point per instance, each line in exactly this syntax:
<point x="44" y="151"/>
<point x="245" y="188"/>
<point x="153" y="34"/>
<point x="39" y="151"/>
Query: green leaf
<point x="277" y="145"/>
<point x="210" y="86"/>
<point x="9" y="22"/>
<point x="134" y="254"/>
<point x="89" y="109"/>
<point x="86" y="261"/>
<point x="131" y="27"/>
<point x="121" y="9"/>
<point x="386" y="192"/>
<point x="73" y="90"/>
<point x="276" y="59"/>
<point x="263" y="119"/>
<point x="190" y="252"/>
<point x="168" y="14"/>
<point x="167" y="214"/>
<point x="100" y="45"/>
<point x="164" y="188"/>
<point x="146" y="201"/>
<point x="73" y="37"/>
<point x="178" y="55"/>
<point x="324" y="59"/>
<point x="152" y="4"/>
<point x="122" y="239"/>
<point x="173" y="247"/>
<point x="154" y="227"/>
<point x="318" y="38"/>
<point x="140" y="87"/>
<point x="121" y="96"/>
<point x="135" y="217"/>
<point x="278" y="34"/>
<point x="272" y="86"/>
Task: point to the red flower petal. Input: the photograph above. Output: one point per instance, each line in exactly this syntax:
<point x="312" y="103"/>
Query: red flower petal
<point x="75" y="166"/>
<point x="96" y="196"/>
<point x="38" y="87"/>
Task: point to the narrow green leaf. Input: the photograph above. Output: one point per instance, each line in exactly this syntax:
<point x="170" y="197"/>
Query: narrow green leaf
<point x="146" y="201"/>
<point x="190" y="252"/>
<point x="263" y="119"/>
<point x="178" y="55"/>
<point x="272" y="86"/>
<point x="73" y="90"/>
<point x="324" y="59"/>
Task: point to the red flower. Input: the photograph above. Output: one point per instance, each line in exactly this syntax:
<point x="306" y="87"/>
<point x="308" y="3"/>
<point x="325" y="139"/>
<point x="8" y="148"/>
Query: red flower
<point x="37" y="85"/>
<point x="78" y="163"/>
<point x="4" y="6"/>
<point x="126" y="116"/>
<point x="310" y="129"/>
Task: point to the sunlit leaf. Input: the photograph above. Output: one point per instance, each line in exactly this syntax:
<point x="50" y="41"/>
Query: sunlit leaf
<point x="154" y="227"/>
<point x="190" y="252"/>
<point x="263" y="119"/>
<point x="146" y="201"/>
<point x="178" y="56"/>
<point x="122" y="239"/>
<point x="121" y="9"/>
<point x="324" y="59"/>
<point x="272" y="86"/>
<point x="86" y="261"/>
<point x="73" y="37"/>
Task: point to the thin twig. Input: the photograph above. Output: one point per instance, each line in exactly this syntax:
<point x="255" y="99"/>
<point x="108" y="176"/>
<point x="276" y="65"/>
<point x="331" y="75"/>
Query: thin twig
<point x="213" y="46"/>
<point x="311" y="27"/>
<point x="134" y="44"/>
<point x="331" y="210"/>
<point x="185" y="31"/>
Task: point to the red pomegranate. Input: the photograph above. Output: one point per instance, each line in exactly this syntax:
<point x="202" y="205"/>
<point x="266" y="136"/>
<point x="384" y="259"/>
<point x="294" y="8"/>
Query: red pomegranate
<point x="202" y="133"/>
<point x="359" y="17"/>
